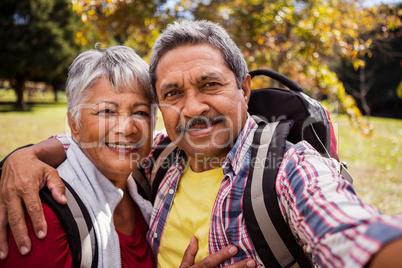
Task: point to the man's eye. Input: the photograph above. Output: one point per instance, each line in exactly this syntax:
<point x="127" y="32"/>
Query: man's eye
<point x="171" y="94"/>
<point x="211" y="84"/>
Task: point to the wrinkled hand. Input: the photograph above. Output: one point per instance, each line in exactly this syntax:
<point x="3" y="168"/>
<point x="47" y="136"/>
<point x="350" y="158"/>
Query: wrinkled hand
<point x="22" y="177"/>
<point x="212" y="260"/>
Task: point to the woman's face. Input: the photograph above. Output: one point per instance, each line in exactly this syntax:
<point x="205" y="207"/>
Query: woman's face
<point x="115" y="128"/>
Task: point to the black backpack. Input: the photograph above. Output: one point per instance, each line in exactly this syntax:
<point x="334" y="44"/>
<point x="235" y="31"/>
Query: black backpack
<point x="282" y="115"/>
<point x="77" y="224"/>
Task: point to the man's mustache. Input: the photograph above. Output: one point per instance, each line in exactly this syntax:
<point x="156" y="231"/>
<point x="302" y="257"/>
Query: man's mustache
<point x="199" y="121"/>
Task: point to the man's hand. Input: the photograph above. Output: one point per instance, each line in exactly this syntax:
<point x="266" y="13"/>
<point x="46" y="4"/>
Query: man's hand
<point x="389" y="256"/>
<point x="23" y="175"/>
<point x="212" y="260"/>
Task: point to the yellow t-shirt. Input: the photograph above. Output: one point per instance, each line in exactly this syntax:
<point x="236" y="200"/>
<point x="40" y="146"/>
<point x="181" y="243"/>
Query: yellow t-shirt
<point x="190" y="215"/>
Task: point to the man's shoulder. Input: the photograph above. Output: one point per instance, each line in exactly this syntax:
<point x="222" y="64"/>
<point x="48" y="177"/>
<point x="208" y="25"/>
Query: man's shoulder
<point x="302" y="160"/>
<point x="159" y="136"/>
<point x="301" y="147"/>
<point x="301" y="154"/>
<point x="160" y="142"/>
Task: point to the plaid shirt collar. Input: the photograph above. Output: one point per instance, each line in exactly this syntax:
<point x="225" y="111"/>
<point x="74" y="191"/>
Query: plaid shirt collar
<point x="236" y="156"/>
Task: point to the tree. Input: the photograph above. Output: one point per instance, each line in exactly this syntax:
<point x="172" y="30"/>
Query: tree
<point x="374" y="80"/>
<point x="37" y="40"/>
<point x="300" y="39"/>
<point x="132" y="23"/>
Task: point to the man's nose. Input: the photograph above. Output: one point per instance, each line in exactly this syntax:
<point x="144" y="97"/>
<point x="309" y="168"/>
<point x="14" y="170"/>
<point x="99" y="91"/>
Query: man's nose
<point x="194" y="105"/>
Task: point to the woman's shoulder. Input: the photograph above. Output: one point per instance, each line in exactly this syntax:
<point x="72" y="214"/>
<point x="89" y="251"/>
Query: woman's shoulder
<point x="52" y="251"/>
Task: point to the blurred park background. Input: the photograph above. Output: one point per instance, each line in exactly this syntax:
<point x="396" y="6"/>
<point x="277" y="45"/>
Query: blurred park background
<point x="345" y="53"/>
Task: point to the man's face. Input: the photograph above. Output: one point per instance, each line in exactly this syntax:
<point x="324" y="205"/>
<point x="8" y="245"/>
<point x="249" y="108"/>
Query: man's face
<point x="202" y="108"/>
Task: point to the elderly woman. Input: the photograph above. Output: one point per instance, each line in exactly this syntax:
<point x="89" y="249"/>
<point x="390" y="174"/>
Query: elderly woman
<point x="109" y="114"/>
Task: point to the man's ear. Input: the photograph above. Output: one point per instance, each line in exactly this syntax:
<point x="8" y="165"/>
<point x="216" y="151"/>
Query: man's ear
<point x="246" y="88"/>
<point x="73" y="127"/>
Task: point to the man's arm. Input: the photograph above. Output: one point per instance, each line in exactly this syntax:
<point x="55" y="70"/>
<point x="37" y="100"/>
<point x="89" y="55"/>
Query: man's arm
<point x="24" y="173"/>
<point x="325" y="213"/>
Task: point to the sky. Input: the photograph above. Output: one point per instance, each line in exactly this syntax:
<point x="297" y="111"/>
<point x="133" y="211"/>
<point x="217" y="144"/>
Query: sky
<point x="370" y="3"/>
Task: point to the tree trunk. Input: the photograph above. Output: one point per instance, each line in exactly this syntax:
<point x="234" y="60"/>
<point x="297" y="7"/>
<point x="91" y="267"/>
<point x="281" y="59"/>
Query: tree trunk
<point x="19" y="87"/>
<point x="364" y="90"/>
<point x="54" y="88"/>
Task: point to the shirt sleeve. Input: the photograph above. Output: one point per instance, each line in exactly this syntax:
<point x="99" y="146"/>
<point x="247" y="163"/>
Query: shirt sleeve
<point x="52" y="251"/>
<point x="325" y="214"/>
<point x="65" y="139"/>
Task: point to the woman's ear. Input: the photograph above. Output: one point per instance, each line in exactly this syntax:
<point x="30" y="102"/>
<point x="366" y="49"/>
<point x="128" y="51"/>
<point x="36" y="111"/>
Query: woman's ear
<point x="74" y="127"/>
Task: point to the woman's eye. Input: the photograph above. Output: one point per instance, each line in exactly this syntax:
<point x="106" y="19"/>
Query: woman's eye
<point x="106" y="111"/>
<point x="141" y="113"/>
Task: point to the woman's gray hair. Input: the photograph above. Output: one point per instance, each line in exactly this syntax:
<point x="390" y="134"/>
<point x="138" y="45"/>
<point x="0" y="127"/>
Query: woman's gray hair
<point x="119" y="64"/>
<point x="196" y="33"/>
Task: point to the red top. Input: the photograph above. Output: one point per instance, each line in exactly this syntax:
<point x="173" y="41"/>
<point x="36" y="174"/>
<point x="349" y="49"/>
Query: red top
<point x="53" y="251"/>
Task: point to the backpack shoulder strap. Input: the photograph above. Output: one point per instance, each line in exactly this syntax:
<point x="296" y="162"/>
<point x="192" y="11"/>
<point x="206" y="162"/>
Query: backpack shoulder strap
<point x="163" y="161"/>
<point x="162" y="158"/>
<point x="262" y="214"/>
<point x="78" y="225"/>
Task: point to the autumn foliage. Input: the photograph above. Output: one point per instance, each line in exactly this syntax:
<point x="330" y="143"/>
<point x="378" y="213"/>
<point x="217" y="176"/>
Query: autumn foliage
<point x="300" y="39"/>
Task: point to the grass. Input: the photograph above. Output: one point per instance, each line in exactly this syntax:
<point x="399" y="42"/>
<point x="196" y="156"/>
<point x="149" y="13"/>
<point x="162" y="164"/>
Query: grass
<point x="20" y="128"/>
<point x="373" y="161"/>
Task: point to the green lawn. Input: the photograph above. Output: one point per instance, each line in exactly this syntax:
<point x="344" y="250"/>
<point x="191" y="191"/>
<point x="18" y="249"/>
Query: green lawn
<point x="19" y="128"/>
<point x="374" y="162"/>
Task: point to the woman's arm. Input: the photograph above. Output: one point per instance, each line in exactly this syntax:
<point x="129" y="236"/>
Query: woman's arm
<point x="24" y="173"/>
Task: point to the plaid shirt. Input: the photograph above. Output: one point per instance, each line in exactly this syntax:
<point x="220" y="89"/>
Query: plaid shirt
<point x="320" y="207"/>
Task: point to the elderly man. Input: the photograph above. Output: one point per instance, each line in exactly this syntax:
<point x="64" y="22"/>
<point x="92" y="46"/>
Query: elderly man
<point x="202" y="84"/>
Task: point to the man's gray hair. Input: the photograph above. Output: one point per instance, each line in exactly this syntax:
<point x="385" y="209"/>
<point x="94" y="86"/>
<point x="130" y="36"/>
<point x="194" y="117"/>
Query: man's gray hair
<point x="197" y="33"/>
<point x="119" y="64"/>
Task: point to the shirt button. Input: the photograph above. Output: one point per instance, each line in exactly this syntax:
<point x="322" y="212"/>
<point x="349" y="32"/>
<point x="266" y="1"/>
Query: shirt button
<point x="155" y="235"/>
<point x="171" y="191"/>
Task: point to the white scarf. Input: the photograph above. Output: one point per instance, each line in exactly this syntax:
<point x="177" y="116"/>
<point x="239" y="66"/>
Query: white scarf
<point x="100" y="197"/>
